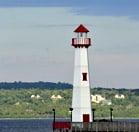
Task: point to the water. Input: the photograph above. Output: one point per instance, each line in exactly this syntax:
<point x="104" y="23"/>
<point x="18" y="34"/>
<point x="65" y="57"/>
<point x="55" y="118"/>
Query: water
<point x="128" y="120"/>
<point x="35" y="125"/>
<point x="26" y="125"/>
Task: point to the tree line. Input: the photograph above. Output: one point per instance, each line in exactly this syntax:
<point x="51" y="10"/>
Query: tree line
<point x="40" y="85"/>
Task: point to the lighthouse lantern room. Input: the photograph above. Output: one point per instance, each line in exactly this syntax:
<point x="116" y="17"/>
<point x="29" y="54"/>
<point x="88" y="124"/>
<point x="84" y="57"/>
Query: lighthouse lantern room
<point x="81" y="99"/>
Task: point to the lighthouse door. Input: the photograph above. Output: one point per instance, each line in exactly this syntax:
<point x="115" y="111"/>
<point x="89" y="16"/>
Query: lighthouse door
<point x="85" y="117"/>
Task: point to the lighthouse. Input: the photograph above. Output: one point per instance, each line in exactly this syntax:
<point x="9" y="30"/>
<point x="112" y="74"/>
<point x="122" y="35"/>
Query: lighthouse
<point x="81" y="99"/>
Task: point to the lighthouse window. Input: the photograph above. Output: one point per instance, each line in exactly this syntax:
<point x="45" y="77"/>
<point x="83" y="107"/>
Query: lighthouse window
<point x="84" y="76"/>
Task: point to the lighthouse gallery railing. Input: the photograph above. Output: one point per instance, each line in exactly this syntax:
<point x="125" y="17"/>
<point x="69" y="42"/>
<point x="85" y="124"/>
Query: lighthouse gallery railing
<point x="81" y="41"/>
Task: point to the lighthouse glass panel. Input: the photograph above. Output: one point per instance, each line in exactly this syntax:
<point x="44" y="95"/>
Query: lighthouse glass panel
<point x="84" y="76"/>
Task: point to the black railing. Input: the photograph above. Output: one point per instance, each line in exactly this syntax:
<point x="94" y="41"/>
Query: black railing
<point x="106" y="127"/>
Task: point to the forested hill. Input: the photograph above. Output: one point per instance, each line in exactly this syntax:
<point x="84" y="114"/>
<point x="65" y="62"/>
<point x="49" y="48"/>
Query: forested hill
<point x="40" y="84"/>
<point x="52" y="86"/>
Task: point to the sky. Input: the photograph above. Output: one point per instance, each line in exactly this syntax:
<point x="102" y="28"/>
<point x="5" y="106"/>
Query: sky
<point x="35" y="42"/>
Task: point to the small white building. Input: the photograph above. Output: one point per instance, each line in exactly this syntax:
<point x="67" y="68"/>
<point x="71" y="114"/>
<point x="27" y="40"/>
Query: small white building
<point x="59" y="97"/>
<point x="38" y="96"/>
<point x="32" y="96"/>
<point x="35" y="97"/>
<point x="97" y="98"/>
<point x="117" y="96"/>
<point x="54" y="97"/>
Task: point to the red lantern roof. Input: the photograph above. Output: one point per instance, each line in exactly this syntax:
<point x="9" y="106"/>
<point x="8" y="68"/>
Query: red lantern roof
<point x="81" y="29"/>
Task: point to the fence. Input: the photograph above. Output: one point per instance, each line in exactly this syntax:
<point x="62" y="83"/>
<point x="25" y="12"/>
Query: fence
<point x="106" y="127"/>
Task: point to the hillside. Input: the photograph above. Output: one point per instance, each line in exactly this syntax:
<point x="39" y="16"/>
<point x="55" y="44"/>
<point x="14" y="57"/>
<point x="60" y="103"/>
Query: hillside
<point x="36" y="103"/>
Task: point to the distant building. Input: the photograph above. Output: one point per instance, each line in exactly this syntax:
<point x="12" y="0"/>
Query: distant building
<point x="54" y="97"/>
<point x="35" y="97"/>
<point x="32" y="96"/>
<point x="117" y="96"/>
<point x="38" y="96"/>
<point x="97" y="98"/>
<point x="59" y="97"/>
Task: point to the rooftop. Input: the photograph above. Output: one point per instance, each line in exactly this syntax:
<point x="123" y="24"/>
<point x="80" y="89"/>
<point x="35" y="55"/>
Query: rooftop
<point x="81" y="29"/>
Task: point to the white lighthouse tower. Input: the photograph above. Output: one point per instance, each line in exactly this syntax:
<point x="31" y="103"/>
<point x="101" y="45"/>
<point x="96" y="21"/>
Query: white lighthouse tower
<point x="81" y="100"/>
